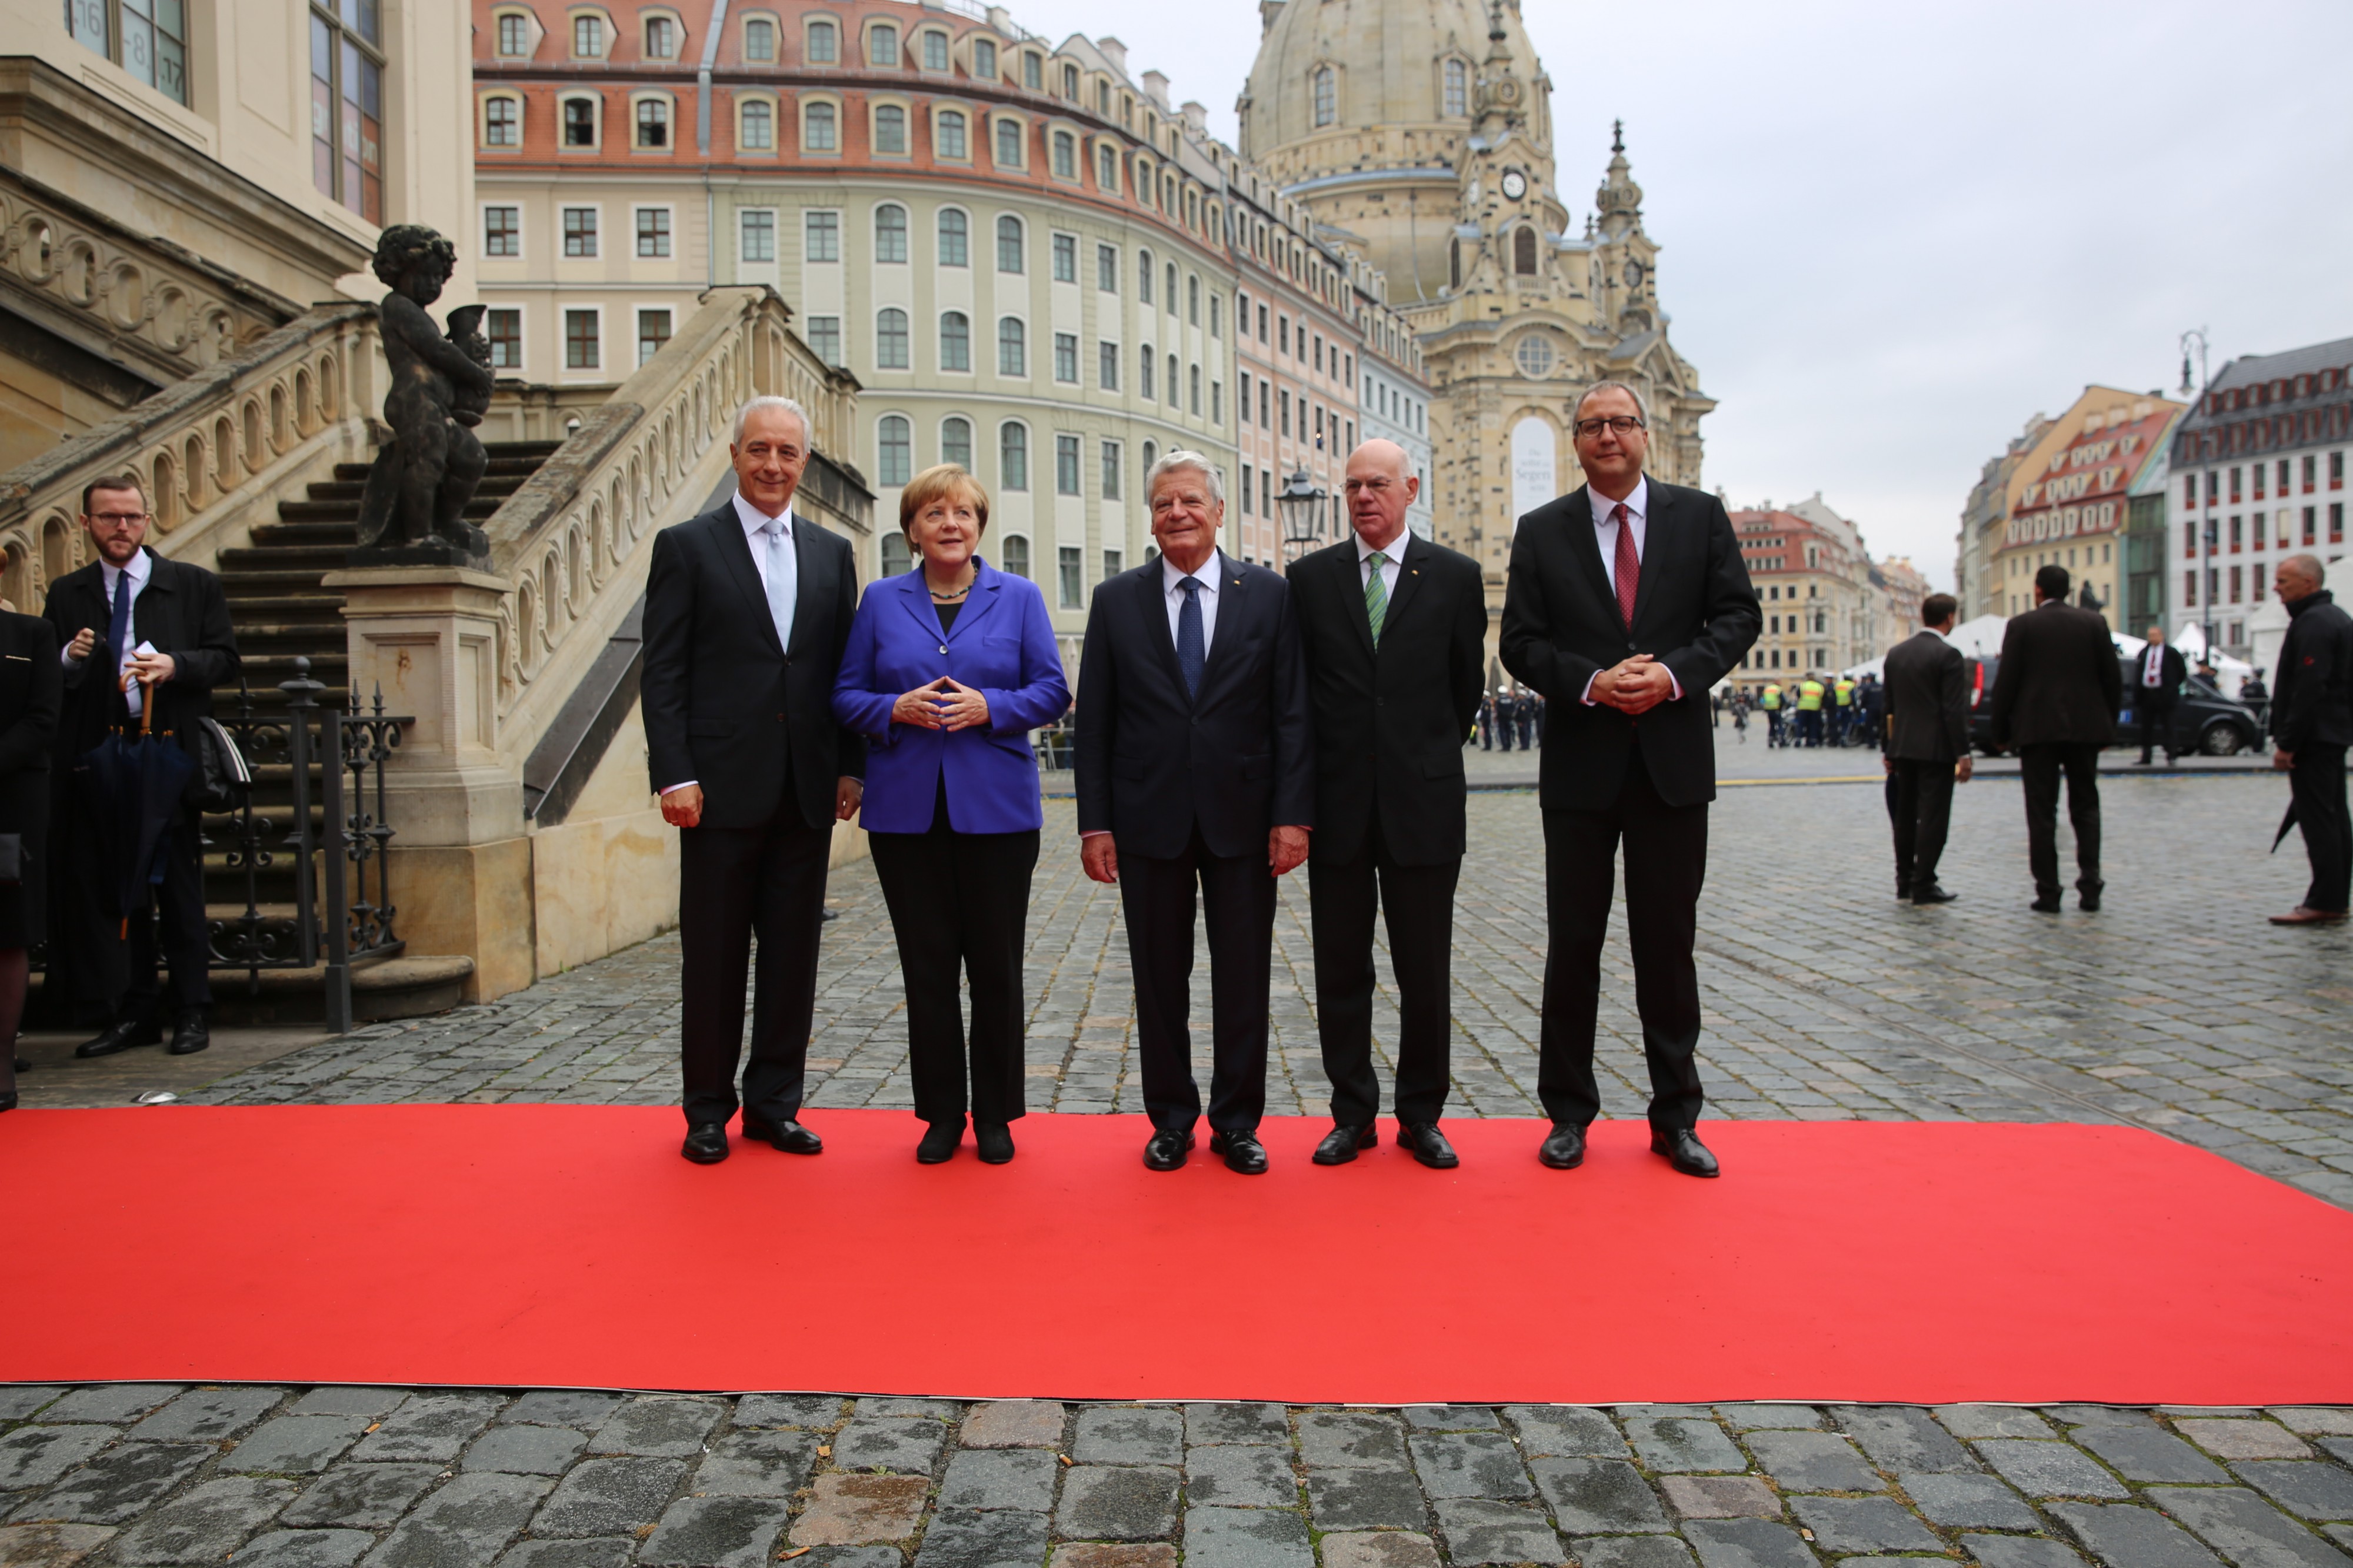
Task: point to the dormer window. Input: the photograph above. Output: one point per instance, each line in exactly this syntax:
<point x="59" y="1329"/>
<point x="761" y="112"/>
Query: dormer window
<point x="1071" y="83"/>
<point x="589" y="37"/>
<point x="1033" y="73"/>
<point x="514" y="35"/>
<point x="661" y="37"/>
<point x="936" y="50"/>
<point x="882" y="45"/>
<point x="759" y="40"/>
<point x="824" y="43"/>
<point x="984" y="58"/>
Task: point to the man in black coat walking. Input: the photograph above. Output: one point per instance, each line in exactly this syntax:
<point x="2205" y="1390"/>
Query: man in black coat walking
<point x="1627" y="601"/>
<point x="2156" y="678"/>
<point x="747" y="610"/>
<point x="2312" y="723"/>
<point x="2055" y="698"/>
<point x="1196" y="768"/>
<point x="129" y="624"/>
<point x="1926" y="745"/>
<point x="1393" y="629"/>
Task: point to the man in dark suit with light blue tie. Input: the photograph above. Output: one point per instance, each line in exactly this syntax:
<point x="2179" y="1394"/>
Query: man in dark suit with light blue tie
<point x="747" y="610"/>
<point x="1196" y="768"/>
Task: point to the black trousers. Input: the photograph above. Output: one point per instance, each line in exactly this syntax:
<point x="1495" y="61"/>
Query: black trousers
<point x="1924" y="815"/>
<point x="1666" y="861"/>
<point x="960" y="906"/>
<point x="2041" y="767"/>
<point x="1418" y="902"/>
<point x="1236" y="897"/>
<point x="177" y="934"/>
<point x="2317" y="783"/>
<point x="2156" y="726"/>
<point x="735" y="883"/>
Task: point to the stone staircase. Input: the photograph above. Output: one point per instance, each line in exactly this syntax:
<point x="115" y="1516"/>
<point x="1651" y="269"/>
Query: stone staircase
<point x="289" y="626"/>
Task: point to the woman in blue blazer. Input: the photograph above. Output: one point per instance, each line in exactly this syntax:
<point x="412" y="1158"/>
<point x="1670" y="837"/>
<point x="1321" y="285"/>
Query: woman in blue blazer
<point x="949" y="668"/>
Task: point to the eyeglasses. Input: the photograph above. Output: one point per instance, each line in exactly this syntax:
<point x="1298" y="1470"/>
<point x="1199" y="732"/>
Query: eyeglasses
<point x="1620" y="425"/>
<point x="117" y="518"/>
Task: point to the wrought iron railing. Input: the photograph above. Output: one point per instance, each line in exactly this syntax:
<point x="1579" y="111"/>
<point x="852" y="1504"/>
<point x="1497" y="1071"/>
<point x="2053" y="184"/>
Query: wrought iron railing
<point x="275" y="852"/>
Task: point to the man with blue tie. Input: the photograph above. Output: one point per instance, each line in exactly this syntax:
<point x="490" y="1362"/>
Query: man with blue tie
<point x="1195" y="769"/>
<point x="747" y="610"/>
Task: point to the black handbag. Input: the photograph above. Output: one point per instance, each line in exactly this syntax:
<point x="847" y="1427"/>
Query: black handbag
<point x="223" y="779"/>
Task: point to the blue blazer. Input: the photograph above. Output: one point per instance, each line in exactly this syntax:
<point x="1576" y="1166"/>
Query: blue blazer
<point x="1002" y="645"/>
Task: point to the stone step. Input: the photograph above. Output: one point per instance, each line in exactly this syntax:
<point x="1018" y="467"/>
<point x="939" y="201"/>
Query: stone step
<point x="305" y="535"/>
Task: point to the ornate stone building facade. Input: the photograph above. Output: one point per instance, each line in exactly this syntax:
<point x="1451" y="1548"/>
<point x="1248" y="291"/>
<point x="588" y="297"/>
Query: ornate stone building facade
<point x="1420" y="132"/>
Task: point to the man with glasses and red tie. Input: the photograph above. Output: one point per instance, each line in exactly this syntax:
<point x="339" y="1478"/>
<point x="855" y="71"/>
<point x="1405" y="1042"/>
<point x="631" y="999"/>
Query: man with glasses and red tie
<point x="1627" y="601"/>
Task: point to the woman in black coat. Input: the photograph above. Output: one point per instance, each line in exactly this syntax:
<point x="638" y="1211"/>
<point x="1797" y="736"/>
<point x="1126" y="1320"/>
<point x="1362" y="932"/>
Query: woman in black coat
<point x="32" y="687"/>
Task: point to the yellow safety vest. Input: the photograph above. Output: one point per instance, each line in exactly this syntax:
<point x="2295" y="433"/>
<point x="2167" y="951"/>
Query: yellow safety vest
<point x="1809" y="697"/>
<point x="1772" y="700"/>
<point x="1845" y="690"/>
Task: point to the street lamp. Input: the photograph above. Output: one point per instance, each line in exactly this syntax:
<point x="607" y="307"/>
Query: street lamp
<point x="1301" y="500"/>
<point x="2196" y="338"/>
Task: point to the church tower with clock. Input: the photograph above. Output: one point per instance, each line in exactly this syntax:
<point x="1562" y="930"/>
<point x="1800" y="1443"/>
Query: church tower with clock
<point x="1434" y="157"/>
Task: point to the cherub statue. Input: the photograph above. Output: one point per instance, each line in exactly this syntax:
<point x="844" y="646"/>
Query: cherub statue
<point x="418" y="490"/>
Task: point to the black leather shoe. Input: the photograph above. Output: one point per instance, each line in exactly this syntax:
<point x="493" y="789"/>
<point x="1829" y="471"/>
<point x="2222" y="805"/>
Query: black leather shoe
<point x="8" y="1101"/>
<point x="1168" y="1149"/>
<point x="995" y="1140"/>
<point x="2049" y="906"/>
<point x="1245" y="1155"/>
<point x="1903" y="890"/>
<point x="1428" y="1145"/>
<point x="939" y="1145"/>
<point x="789" y="1136"/>
<point x="1564" y="1150"/>
<point x="22" y="1065"/>
<point x="1340" y="1144"/>
<point x="1932" y="894"/>
<point x="706" y="1143"/>
<point x="2089" y="903"/>
<point x="192" y="1034"/>
<point x="120" y="1036"/>
<point x="1684" y="1151"/>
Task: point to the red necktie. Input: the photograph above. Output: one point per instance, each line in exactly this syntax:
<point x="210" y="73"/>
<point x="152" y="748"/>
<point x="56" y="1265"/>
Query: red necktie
<point x="1629" y="565"/>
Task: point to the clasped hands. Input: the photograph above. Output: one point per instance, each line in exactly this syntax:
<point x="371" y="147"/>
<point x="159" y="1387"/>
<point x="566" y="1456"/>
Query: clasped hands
<point x="1633" y="687"/>
<point x="942" y="705"/>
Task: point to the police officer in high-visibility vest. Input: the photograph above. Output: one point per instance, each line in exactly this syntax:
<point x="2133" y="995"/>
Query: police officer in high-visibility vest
<point x="1809" y="711"/>
<point x="1771" y="703"/>
<point x="1841" y="710"/>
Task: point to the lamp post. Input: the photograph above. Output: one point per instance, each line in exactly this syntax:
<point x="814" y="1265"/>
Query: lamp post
<point x="1301" y="500"/>
<point x="2195" y="340"/>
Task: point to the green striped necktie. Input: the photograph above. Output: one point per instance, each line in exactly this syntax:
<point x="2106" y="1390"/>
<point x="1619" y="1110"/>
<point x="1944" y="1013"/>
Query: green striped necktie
<point x="1376" y="595"/>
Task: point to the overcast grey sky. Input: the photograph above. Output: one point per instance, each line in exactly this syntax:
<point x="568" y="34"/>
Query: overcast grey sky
<point x="1892" y="232"/>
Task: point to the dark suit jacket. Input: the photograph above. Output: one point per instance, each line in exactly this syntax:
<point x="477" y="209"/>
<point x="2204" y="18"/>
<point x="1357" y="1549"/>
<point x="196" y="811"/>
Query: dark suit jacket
<point x="182" y="611"/>
<point x="2164" y="695"/>
<point x="1694" y="612"/>
<point x="32" y="691"/>
<point x="1240" y="759"/>
<point x="2060" y="681"/>
<point x="2312" y="702"/>
<point x="725" y="705"/>
<point x="1928" y="695"/>
<point x="1389" y="725"/>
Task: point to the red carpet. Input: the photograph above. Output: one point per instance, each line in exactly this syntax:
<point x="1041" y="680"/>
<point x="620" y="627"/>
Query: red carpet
<point x="556" y="1245"/>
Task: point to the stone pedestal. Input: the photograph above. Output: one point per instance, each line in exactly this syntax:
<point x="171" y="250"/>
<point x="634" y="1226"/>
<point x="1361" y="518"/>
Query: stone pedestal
<point x="428" y="637"/>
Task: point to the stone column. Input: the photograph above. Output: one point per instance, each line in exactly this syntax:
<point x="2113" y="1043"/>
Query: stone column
<point x="460" y="862"/>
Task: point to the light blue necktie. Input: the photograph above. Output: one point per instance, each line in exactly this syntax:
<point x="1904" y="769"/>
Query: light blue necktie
<point x="783" y="575"/>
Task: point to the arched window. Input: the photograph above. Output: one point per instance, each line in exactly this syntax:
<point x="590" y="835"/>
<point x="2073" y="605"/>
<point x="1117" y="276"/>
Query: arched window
<point x="1454" y="264"/>
<point x="894" y="453"/>
<point x="1143" y="276"/>
<point x="1172" y="380"/>
<point x="1524" y="252"/>
<point x="1145" y="365"/>
<point x="889" y="232"/>
<point x="1107" y="167"/>
<point x="1192" y="300"/>
<point x="1066" y="155"/>
<point x="890" y="129"/>
<point x="951" y="135"/>
<point x="1009" y="244"/>
<point x="503" y="123"/>
<point x="653" y="122"/>
<point x="954" y="251"/>
<point x="661" y="37"/>
<point x="1171" y="296"/>
<point x="936" y="50"/>
<point x="514" y="35"/>
<point x="882" y="45"/>
<point x="956" y="340"/>
<point x="759" y="134"/>
<point x="580" y="122"/>
<point x="891" y="340"/>
<point x="1012" y="347"/>
<point x="1013" y="473"/>
<point x="759" y="40"/>
<point x="821" y="136"/>
<point x="956" y="442"/>
<point x="824" y="43"/>
<point x="897" y="560"/>
<point x="1008" y="144"/>
<point x="1458" y="88"/>
<point x="1327" y="95"/>
<point x="1017" y="555"/>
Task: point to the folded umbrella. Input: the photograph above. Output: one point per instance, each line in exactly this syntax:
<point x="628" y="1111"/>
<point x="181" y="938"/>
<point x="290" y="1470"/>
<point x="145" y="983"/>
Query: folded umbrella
<point x="135" y="782"/>
<point x="2287" y="820"/>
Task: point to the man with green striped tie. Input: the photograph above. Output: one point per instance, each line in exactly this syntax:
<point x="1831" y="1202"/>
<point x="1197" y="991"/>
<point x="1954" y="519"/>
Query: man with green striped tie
<point x="1393" y="629"/>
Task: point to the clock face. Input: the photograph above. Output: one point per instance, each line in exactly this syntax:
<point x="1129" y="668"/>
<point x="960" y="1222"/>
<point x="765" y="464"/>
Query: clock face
<point x="1515" y="184"/>
<point x="1633" y="275"/>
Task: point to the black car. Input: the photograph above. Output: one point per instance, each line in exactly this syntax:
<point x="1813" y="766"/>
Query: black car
<point x="2204" y="719"/>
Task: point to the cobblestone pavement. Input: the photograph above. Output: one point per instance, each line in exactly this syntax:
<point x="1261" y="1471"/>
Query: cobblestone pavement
<point x="2176" y="1008"/>
<point x="275" y="1478"/>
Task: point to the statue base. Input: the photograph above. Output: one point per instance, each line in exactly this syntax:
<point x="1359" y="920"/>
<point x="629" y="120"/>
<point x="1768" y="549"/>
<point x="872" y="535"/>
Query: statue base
<point x="473" y="552"/>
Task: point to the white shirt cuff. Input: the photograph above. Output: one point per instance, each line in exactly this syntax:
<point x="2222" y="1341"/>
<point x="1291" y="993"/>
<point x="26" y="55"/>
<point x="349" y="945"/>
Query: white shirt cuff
<point x="673" y="789"/>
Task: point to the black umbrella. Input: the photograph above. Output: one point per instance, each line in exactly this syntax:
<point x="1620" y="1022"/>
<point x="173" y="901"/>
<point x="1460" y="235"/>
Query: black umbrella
<point x="136" y="782"/>
<point x="2287" y="820"/>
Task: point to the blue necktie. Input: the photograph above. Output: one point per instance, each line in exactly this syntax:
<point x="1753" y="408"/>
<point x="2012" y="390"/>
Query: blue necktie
<point x="118" y="631"/>
<point x="782" y="580"/>
<point x="1192" y="648"/>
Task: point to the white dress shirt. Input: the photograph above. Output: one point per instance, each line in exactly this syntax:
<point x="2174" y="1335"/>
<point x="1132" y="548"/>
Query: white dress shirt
<point x="1394" y="549"/>
<point x="1605" y="536"/>
<point x="755" y="524"/>
<point x="1207" y="574"/>
<point x="140" y="568"/>
<point x="2152" y="665"/>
